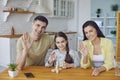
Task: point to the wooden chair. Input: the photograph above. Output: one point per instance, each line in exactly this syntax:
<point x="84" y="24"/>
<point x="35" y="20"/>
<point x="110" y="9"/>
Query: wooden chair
<point x="118" y="37"/>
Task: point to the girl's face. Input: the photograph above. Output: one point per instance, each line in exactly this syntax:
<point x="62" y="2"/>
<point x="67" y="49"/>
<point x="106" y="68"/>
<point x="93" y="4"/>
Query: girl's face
<point x="90" y="33"/>
<point x="61" y="43"/>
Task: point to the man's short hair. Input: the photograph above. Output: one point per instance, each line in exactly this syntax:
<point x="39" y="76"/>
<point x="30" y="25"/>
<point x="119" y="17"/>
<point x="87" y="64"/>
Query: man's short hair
<point x="41" y="18"/>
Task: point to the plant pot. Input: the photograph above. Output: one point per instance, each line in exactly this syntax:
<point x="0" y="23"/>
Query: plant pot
<point x="12" y="73"/>
<point x="98" y="15"/>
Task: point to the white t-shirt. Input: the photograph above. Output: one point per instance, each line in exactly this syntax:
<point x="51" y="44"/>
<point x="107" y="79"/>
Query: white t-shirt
<point x="98" y="60"/>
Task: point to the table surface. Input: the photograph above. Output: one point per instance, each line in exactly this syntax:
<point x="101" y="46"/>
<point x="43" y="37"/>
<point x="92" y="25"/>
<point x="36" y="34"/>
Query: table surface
<point x="43" y="73"/>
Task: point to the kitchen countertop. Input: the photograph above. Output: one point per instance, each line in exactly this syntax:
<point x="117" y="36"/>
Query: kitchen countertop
<point x="18" y="35"/>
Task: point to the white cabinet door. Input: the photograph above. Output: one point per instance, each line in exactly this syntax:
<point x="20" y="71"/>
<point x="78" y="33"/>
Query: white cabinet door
<point x="61" y="8"/>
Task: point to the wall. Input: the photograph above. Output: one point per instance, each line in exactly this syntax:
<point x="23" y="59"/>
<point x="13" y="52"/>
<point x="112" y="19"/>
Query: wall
<point x="104" y="5"/>
<point x="83" y="14"/>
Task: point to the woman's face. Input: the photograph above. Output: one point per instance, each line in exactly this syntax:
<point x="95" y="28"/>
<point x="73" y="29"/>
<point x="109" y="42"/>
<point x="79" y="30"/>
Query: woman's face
<point x="61" y="43"/>
<point x="90" y="33"/>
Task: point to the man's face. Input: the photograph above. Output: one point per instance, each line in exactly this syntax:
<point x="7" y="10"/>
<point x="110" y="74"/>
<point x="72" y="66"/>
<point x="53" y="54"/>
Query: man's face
<point x="38" y="28"/>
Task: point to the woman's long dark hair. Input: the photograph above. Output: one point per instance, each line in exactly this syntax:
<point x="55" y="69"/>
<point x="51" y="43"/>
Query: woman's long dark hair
<point x="94" y="25"/>
<point x="68" y="58"/>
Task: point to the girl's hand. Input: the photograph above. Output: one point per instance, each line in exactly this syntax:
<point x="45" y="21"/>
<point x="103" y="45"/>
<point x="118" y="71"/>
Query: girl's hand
<point x="66" y="65"/>
<point x="25" y="42"/>
<point x="83" y="49"/>
<point x="52" y="57"/>
<point x="95" y="72"/>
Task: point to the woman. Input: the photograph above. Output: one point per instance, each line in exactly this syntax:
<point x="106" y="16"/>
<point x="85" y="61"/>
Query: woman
<point x="65" y="57"/>
<point x="97" y="51"/>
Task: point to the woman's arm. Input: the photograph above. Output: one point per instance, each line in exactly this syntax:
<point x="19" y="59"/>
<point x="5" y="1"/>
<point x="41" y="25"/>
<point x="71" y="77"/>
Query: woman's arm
<point x="108" y="53"/>
<point x="97" y="71"/>
<point x="85" y="55"/>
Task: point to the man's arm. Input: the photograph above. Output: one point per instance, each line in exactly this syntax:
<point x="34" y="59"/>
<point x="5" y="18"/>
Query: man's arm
<point x="22" y="52"/>
<point x="21" y="59"/>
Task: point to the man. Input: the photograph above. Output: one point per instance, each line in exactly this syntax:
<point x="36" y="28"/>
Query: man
<point x="32" y="47"/>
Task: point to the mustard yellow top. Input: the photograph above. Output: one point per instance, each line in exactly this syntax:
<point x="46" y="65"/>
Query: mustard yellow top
<point x="38" y="51"/>
<point x="107" y="50"/>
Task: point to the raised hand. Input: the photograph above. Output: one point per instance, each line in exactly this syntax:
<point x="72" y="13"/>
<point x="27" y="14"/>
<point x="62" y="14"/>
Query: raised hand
<point x="26" y="42"/>
<point x="52" y="57"/>
<point x="83" y="49"/>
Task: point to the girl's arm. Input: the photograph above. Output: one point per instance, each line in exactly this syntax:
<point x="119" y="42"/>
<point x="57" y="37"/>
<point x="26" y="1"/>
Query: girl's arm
<point x="51" y="59"/>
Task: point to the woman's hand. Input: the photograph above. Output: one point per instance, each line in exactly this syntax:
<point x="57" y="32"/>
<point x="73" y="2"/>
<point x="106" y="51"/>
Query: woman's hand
<point x="95" y="72"/>
<point x="83" y="49"/>
<point x="25" y="42"/>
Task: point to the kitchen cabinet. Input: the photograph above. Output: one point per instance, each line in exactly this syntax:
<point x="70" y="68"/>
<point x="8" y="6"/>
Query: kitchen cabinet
<point x="7" y="50"/>
<point x="61" y="8"/>
<point x="118" y="37"/>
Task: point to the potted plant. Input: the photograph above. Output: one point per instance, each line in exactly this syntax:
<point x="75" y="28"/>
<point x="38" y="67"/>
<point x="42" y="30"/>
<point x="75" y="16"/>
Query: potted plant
<point x="114" y="8"/>
<point x="12" y="70"/>
<point x="98" y="12"/>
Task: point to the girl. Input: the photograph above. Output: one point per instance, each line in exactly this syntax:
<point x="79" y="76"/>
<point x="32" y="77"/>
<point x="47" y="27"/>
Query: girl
<point x="65" y="57"/>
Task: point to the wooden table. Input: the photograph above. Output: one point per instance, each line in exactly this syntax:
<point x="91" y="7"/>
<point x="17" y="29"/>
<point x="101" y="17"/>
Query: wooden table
<point x="42" y="73"/>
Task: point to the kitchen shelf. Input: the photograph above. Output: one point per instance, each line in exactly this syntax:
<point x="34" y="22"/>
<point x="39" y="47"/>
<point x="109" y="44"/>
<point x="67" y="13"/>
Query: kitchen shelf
<point x="24" y="12"/>
<point x="8" y="12"/>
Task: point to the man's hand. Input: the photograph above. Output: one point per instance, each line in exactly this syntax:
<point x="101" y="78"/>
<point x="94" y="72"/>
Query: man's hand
<point x="26" y="42"/>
